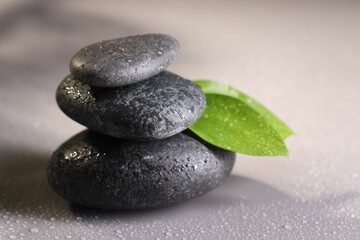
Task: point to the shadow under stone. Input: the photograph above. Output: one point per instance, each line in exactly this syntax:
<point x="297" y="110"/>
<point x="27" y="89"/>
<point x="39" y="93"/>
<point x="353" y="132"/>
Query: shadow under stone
<point x="23" y="185"/>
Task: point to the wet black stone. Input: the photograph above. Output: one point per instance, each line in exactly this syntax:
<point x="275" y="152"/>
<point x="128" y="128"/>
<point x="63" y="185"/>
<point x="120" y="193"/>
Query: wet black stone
<point x="96" y="170"/>
<point x="156" y="108"/>
<point x="124" y="61"/>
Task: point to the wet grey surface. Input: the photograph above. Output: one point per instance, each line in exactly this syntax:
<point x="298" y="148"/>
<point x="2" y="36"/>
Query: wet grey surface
<point x="299" y="59"/>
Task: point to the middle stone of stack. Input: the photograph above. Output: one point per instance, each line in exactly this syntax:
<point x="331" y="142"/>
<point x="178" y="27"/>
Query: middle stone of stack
<point x="119" y="88"/>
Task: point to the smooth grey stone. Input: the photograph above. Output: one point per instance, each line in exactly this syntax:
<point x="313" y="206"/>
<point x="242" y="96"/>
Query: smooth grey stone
<point x="156" y="108"/>
<point x="124" y="61"/>
<point x="96" y="170"/>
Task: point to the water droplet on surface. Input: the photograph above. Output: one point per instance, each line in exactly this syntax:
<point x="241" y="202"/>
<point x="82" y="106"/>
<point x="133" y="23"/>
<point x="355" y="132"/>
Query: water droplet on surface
<point x="288" y="227"/>
<point x="12" y="237"/>
<point x="34" y="230"/>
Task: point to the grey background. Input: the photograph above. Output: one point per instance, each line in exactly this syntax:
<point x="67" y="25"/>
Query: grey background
<point x="301" y="59"/>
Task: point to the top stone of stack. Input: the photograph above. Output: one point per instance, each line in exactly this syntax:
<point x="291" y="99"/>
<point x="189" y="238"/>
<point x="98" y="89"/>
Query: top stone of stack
<point x="124" y="61"/>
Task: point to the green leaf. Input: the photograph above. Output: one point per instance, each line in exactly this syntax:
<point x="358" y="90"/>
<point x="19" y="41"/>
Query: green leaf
<point x="231" y="124"/>
<point x="208" y="86"/>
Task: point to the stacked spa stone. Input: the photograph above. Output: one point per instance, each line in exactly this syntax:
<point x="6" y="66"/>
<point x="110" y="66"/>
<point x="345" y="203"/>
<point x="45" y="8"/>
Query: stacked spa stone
<point x="135" y="153"/>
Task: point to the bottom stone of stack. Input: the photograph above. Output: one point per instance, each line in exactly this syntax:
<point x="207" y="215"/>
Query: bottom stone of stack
<point x="96" y="170"/>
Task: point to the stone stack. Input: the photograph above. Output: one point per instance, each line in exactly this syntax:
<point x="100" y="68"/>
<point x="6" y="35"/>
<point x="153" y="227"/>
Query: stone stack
<point x="135" y="154"/>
